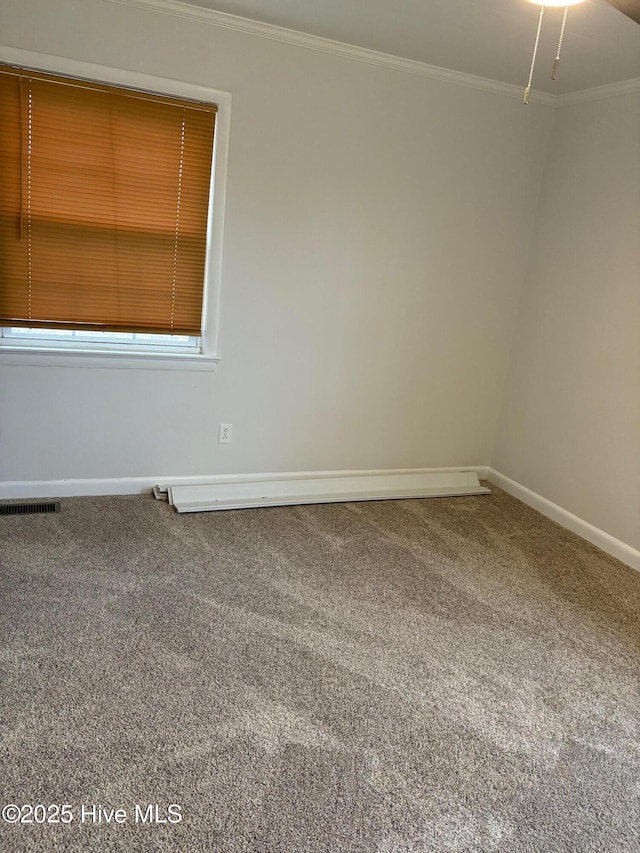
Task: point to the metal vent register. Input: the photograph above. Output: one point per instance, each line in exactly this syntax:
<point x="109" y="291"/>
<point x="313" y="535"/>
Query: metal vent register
<point x="29" y="508"/>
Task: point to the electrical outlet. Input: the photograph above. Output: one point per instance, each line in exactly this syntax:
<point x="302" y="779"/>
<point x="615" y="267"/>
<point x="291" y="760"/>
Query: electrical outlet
<point x="224" y="433"/>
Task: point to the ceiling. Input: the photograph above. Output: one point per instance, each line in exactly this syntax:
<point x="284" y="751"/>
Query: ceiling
<point x="488" y="38"/>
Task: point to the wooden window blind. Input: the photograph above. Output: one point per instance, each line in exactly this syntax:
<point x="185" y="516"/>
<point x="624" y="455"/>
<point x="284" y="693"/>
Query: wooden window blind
<point x="104" y="199"/>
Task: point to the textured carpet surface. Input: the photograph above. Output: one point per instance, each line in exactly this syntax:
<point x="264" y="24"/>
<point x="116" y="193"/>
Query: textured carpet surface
<point x="440" y="675"/>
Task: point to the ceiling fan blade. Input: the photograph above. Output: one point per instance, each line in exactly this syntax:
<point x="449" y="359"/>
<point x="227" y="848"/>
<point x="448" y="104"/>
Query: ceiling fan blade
<point x="631" y="8"/>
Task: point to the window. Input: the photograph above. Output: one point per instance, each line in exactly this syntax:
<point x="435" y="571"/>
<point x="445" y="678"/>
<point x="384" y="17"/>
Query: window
<point x="105" y="217"/>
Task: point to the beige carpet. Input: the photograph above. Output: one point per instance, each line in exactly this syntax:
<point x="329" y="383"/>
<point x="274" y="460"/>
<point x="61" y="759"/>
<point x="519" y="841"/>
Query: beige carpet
<point x="440" y="675"/>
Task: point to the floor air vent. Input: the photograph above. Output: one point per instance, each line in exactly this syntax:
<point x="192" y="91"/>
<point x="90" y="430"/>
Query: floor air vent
<point x="29" y="508"/>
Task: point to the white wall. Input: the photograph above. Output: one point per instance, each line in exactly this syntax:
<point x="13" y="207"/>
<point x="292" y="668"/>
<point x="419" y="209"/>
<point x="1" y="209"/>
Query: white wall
<point x="570" y="423"/>
<point x="377" y="232"/>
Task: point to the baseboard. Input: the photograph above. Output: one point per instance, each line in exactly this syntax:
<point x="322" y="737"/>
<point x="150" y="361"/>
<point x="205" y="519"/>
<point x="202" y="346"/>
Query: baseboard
<point x="21" y="489"/>
<point x="623" y="552"/>
<point x="210" y="497"/>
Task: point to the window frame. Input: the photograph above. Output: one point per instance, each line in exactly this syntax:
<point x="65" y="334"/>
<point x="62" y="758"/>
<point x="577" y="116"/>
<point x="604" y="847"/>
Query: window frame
<point x="206" y="356"/>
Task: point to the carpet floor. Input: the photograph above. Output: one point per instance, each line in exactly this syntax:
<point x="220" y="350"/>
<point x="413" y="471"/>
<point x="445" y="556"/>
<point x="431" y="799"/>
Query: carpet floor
<point x="453" y="674"/>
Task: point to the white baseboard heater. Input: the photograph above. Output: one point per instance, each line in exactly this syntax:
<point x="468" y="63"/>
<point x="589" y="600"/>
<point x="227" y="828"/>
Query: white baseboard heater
<point x="289" y="489"/>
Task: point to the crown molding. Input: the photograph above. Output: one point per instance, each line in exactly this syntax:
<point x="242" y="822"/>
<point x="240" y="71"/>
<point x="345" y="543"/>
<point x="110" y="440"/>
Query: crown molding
<point x="612" y="90"/>
<point x="335" y="48"/>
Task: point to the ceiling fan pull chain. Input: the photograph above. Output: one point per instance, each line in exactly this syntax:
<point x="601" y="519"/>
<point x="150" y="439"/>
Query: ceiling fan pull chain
<point x="525" y="100"/>
<point x="554" y="72"/>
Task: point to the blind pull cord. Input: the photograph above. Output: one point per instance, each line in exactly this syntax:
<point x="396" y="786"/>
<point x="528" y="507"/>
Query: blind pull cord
<point x="21" y="163"/>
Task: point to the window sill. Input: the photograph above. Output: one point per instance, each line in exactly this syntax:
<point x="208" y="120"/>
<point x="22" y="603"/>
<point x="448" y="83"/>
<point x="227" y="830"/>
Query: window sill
<point x="50" y="357"/>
